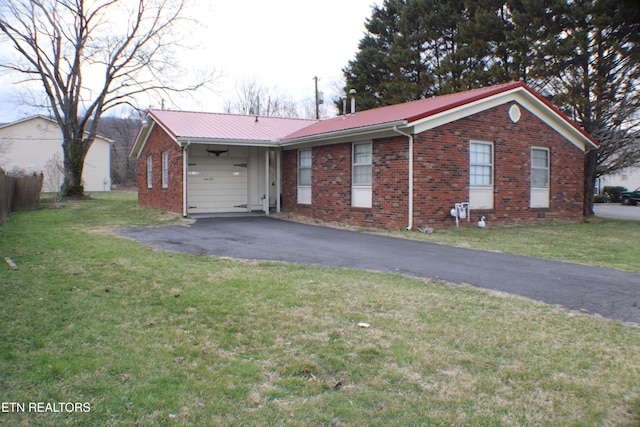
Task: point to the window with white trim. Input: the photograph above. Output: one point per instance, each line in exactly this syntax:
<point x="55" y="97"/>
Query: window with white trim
<point x="304" y="176"/>
<point x="480" y="175"/>
<point x="481" y="164"/>
<point x="539" y="167"/>
<point x="362" y="172"/>
<point x="304" y="167"/>
<point x="149" y="171"/>
<point x="165" y="169"/>
<point x="539" y="177"/>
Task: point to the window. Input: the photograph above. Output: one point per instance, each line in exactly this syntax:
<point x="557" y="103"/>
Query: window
<point x="362" y="169"/>
<point x="165" y="169"/>
<point x="480" y="175"/>
<point x="539" y="168"/>
<point x="304" y="167"/>
<point x="539" y="178"/>
<point x="362" y="164"/>
<point x="481" y="162"/>
<point x="149" y="171"/>
<point x="304" y="176"/>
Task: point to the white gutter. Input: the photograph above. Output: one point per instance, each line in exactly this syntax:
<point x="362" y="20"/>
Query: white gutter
<point x="410" y="213"/>
<point x="185" y="175"/>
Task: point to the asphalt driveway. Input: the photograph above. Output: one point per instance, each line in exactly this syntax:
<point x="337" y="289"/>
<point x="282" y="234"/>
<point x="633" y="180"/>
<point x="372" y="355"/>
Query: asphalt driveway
<point x="617" y="211"/>
<point x="610" y="293"/>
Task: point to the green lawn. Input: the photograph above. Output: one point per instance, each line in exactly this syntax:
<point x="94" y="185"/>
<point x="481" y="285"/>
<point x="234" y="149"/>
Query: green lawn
<point x="599" y="241"/>
<point x="150" y="338"/>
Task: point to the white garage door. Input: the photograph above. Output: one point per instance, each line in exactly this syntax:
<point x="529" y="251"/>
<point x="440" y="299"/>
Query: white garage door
<point x="217" y="184"/>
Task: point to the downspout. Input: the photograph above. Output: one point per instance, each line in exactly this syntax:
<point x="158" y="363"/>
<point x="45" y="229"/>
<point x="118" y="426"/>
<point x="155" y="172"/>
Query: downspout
<point x="410" y="213"/>
<point x="185" y="174"/>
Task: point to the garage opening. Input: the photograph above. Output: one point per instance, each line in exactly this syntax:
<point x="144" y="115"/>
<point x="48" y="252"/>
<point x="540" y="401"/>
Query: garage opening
<point x="217" y="184"/>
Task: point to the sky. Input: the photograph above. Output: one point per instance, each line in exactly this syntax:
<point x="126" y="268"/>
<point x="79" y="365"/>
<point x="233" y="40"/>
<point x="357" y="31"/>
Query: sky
<point x="280" y="44"/>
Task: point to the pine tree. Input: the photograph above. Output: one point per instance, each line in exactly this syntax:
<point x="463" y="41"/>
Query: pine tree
<point x="589" y="67"/>
<point x="481" y="55"/>
<point x="583" y="55"/>
<point x="388" y="67"/>
<point x="437" y="27"/>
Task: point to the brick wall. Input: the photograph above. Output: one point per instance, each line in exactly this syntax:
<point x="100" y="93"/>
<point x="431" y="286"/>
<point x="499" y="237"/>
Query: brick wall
<point x="331" y="189"/>
<point x="390" y="182"/>
<point x="441" y="175"/>
<point x="446" y="150"/>
<point x="169" y="198"/>
<point x="289" y="182"/>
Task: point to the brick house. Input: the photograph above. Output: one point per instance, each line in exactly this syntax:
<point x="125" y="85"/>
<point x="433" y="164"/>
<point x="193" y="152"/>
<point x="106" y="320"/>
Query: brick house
<point x="198" y="163"/>
<point x="503" y="152"/>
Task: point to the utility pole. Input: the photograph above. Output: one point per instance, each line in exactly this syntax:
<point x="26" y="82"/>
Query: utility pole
<point x="319" y="99"/>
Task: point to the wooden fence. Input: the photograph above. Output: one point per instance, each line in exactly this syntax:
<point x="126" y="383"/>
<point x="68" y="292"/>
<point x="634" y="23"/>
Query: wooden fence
<point x="19" y="193"/>
<point x="7" y="184"/>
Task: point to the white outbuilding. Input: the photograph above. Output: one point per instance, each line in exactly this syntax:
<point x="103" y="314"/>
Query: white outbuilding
<point x="34" y="145"/>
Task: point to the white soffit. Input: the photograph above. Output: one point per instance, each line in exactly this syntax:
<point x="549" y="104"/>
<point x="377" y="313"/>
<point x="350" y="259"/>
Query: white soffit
<point x="234" y="142"/>
<point x="519" y="95"/>
<point x="146" y="132"/>
<point x="141" y="139"/>
<point x="554" y="120"/>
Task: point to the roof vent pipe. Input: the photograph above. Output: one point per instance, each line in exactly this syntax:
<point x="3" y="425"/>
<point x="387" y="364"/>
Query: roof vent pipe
<point x="353" y="92"/>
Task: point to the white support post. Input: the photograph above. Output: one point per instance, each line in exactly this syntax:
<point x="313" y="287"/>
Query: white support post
<point x="185" y="177"/>
<point x="278" y="179"/>
<point x="267" y="184"/>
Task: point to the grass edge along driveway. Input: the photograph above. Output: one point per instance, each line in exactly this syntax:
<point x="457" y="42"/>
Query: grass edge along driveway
<point x="609" y="292"/>
<point x="152" y="338"/>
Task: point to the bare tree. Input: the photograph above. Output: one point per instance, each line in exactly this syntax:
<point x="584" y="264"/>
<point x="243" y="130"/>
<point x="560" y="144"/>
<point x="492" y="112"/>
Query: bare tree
<point x="247" y="93"/>
<point x="123" y="131"/>
<point x="54" y="173"/>
<point x="307" y="108"/>
<point x="254" y="98"/>
<point x="91" y="56"/>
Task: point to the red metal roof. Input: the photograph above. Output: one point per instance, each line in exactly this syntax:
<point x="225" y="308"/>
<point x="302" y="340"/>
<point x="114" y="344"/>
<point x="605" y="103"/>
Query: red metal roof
<point x="185" y="124"/>
<point x="421" y="109"/>
<point x="409" y="111"/>
<point x="215" y="126"/>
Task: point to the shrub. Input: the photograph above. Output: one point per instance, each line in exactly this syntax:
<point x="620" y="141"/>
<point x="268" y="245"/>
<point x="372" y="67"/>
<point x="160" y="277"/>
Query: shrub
<point x="601" y="198"/>
<point x="613" y="193"/>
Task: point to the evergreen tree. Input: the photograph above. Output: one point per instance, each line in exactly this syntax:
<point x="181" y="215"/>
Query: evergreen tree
<point x="589" y="67"/>
<point x="437" y="27"/>
<point x="530" y="23"/>
<point x="582" y="55"/>
<point x="388" y="67"/>
<point x="480" y="58"/>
